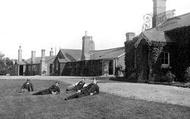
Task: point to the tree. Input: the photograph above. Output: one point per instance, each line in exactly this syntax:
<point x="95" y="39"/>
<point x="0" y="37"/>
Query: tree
<point x="1" y="55"/>
<point x="7" y="66"/>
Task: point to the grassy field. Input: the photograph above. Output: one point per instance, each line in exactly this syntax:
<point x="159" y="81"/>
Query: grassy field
<point x="103" y="106"/>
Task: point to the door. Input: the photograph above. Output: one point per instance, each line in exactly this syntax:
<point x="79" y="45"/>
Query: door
<point x="21" y="70"/>
<point x="111" y="67"/>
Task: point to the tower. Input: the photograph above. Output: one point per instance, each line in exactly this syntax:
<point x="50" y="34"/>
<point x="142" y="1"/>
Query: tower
<point x="87" y="46"/>
<point x="20" y="54"/>
<point x="159" y="7"/>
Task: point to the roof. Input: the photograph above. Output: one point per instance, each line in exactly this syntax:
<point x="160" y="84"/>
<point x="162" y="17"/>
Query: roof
<point x="157" y="34"/>
<point x="22" y="62"/>
<point x="107" y="53"/>
<point x="152" y="35"/>
<point x="38" y="59"/>
<point x="175" y="22"/>
<point x="71" y="54"/>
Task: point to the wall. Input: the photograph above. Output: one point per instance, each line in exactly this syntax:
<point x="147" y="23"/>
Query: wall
<point x="82" y="68"/>
<point x="32" y="69"/>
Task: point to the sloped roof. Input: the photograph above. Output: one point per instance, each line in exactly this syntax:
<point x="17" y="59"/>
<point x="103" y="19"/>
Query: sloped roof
<point x="157" y="34"/>
<point x="38" y="59"/>
<point x="152" y="35"/>
<point x="175" y="22"/>
<point x="22" y="62"/>
<point x="107" y="53"/>
<point x="72" y="54"/>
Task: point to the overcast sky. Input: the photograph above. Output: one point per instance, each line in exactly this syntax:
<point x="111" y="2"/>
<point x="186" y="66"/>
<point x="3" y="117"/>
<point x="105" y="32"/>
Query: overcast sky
<point x="42" y="24"/>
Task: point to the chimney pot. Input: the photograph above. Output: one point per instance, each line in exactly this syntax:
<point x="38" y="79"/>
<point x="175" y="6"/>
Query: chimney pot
<point x="43" y="53"/>
<point x="130" y="36"/>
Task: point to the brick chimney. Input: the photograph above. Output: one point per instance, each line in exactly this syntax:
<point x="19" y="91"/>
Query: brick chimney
<point x="33" y="55"/>
<point x="159" y="7"/>
<point x="42" y="53"/>
<point x="130" y="36"/>
<point x="43" y="64"/>
<point x="51" y="52"/>
<point x="87" y="45"/>
<point x="20" y="54"/>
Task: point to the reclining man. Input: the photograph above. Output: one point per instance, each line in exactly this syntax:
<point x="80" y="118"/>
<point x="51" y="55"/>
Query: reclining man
<point x="27" y="86"/>
<point x="77" y="86"/>
<point x="90" y="89"/>
<point x="54" y="89"/>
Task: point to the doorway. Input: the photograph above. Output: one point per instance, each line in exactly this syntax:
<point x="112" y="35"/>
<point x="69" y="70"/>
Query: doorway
<point x="21" y="70"/>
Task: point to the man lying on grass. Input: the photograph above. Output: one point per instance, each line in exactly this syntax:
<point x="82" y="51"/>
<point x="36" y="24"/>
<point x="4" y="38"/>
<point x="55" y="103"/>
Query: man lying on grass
<point x="27" y="86"/>
<point x="54" y="89"/>
<point x="90" y="89"/>
<point x="77" y="86"/>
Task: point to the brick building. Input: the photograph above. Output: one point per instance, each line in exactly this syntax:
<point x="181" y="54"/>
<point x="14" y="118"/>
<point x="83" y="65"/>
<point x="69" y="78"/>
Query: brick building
<point x="88" y="61"/>
<point x="164" y="47"/>
<point x="35" y="65"/>
<point x="75" y="62"/>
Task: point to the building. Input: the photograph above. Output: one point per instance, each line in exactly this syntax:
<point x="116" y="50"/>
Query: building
<point x="63" y="57"/>
<point x="75" y="62"/>
<point x="88" y="61"/>
<point x="164" y="47"/>
<point x="35" y="65"/>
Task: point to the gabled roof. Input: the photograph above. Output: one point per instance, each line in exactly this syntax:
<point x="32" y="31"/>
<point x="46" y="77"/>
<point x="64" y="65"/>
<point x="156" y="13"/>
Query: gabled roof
<point x="152" y="35"/>
<point x="38" y="59"/>
<point x="175" y="22"/>
<point x="157" y="34"/>
<point x="71" y="54"/>
<point x="107" y="53"/>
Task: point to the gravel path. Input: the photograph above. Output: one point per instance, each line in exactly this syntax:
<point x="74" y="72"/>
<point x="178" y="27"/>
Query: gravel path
<point x="149" y="92"/>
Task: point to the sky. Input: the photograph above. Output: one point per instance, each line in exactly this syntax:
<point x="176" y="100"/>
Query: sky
<point x="46" y="24"/>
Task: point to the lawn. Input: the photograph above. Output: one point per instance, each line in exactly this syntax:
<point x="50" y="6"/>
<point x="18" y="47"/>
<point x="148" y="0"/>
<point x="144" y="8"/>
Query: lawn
<point x="103" y="106"/>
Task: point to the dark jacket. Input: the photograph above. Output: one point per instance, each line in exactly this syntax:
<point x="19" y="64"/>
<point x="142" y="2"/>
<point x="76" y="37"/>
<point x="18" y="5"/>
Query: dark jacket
<point x="54" y="88"/>
<point x="91" y="88"/>
<point x="28" y="86"/>
<point x="79" y="85"/>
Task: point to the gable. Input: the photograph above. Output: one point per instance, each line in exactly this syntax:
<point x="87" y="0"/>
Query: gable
<point x="69" y="55"/>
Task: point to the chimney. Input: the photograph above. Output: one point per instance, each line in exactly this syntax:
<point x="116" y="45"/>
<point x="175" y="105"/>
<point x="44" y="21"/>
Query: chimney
<point x="130" y="36"/>
<point x="42" y="53"/>
<point x="33" y="55"/>
<point x="92" y="44"/>
<point x="159" y="8"/>
<point x="51" y="52"/>
<point x="87" y="46"/>
<point x="43" y="64"/>
<point x="19" y="54"/>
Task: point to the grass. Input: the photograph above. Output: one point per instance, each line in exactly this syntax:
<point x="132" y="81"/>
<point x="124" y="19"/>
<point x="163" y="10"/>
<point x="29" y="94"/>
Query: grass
<point x="103" y="106"/>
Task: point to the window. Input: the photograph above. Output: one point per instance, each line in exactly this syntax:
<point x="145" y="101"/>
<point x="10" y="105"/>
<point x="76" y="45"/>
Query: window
<point x="165" y="59"/>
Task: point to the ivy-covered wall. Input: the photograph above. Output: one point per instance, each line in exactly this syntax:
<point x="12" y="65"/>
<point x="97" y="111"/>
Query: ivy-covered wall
<point x="130" y="68"/>
<point x="83" y="68"/>
<point x="182" y="51"/>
